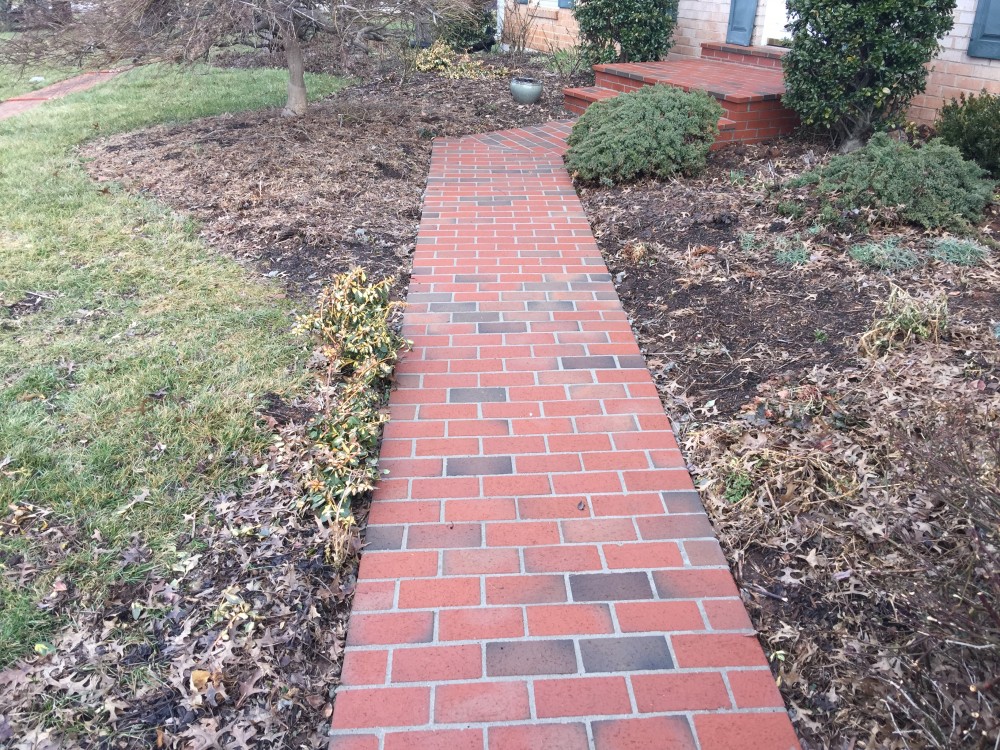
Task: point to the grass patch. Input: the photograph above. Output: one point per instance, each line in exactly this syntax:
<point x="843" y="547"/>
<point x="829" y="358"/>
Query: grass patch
<point x="129" y="392"/>
<point x="16" y="81"/>
<point x="886" y="255"/>
<point x="959" y="252"/>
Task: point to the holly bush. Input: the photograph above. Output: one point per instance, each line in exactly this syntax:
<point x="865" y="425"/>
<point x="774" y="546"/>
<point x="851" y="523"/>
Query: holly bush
<point x="855" y="65"/>
<point x="626" y="30"/>
<point x="972" y="125"/>
<point x="657" y="131"/>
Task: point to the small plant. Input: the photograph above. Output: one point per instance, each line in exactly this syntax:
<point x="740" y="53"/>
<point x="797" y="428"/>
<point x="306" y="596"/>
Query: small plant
<point x="791" y="209"/>
<point x="902" y="319"/>
<point x="959" y="252"/>
<point x="885" y="255"/>
<point x="792" y="253"/>
<point x="738" y="486"/>
<point x="566" y="62"/>
<point x="626" y="30"/>
<point x="891" y="181"/>
<point x="749" y="242"/>
<point x="853" y="67"/>
<point x="657" y="131"/>
<point x="737" y="177"/>
<point x="820" y="336"/>
<point x="354" y="321"/>
<point x="441" y="58"/>
<point x="972" y="125"/>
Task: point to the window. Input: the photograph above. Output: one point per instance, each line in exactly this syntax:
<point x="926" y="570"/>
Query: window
<point x="985" y="40"/>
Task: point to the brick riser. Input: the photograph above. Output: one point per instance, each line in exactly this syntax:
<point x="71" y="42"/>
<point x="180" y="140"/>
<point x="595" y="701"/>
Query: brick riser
<point x="770" y="60"/>
<point x="755" y="121"/>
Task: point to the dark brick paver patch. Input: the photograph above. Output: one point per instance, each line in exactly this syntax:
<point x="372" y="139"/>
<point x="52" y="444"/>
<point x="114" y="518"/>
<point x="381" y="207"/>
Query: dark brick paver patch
<point x="540" y="572"/>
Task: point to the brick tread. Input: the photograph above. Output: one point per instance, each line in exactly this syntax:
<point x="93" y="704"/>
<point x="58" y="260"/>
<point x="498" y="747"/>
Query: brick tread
<point x="538" y="571"/>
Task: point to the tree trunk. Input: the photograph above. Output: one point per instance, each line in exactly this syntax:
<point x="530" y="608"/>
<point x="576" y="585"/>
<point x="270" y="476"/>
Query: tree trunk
<point x="296" y="104"/>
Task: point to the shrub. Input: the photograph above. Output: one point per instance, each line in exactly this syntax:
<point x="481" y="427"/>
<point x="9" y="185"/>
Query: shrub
<point x="932" y="186"/>
<point x="972" y="125"/>
<point x="626" y="30"/>
<point x="855" y="65"/>
<point x="475" y="32"/>
<point x="959" y="252"/>
<point x="657" y="131"/>
<point x="885" y="255"/>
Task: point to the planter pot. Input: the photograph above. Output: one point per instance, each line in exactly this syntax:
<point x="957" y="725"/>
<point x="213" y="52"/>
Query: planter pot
<point x="526" y="90"/>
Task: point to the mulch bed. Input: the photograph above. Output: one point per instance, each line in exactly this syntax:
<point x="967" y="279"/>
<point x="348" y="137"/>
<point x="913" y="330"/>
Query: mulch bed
<point x="843" y="486"/>
<point x="306" y="198"/>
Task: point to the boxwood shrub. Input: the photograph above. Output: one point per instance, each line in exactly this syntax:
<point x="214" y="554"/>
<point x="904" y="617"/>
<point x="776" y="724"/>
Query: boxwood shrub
<point x="972" y="125"/>
<point x="657" y="131"/>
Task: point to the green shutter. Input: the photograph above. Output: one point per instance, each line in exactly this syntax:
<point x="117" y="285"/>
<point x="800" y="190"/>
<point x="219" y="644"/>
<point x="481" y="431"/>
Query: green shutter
<point x="985" y="41"/>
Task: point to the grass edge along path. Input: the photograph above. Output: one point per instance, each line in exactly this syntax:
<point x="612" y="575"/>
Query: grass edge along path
<point x="131" y="356"/>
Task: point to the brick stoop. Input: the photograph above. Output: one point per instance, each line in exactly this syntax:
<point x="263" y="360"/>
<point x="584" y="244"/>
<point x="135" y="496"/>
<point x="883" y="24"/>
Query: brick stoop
<point x="539" y="572"/>
<point x="749" y="88"/>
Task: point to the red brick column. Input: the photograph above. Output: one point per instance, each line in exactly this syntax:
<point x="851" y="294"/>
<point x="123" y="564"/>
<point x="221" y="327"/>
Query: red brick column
<point x="539" y="571"/>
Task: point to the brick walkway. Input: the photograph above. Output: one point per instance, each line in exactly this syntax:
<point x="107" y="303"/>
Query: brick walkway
<point x="540" y="573"/>
<point x="23" y="103"/>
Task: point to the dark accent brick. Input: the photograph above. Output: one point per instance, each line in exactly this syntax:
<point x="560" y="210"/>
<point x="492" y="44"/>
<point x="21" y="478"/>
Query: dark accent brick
<point x="682" y="501"/>
<point x="378" y="538"/>
<point x="632" y="362"/>
<point x="476" y="395"/>
<point x="453" y="307"/>
<point x="476" y="317"/>
<point x="625" y="654"/>
<point x="530" y="657"/>
<point x="545" y="306"/>
<point x="502" y="328"/>
<point x="588" y="363"/>
<point x="474" y="466"/>
<point x="610" y="587"/>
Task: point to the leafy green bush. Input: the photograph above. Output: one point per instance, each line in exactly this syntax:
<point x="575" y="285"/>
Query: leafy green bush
<point x="855" y="65"/>
<point x="626" y="30"/>
<point x="959" y="252"/>
<point x="932" y="186"/>
<point x="972" y="125"/>
<point x="476" y="32"/>
<point x="885" y="255"/>
<point x="657" y="131"/>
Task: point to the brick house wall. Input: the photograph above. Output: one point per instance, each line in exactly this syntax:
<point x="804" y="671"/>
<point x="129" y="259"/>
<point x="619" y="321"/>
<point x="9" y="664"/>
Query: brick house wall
<point x="952" y="72"/>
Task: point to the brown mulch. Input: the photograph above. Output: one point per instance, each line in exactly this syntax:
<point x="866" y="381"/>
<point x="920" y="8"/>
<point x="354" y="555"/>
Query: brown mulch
<point x="306" y="198"/>
<point x="856" y="495"/>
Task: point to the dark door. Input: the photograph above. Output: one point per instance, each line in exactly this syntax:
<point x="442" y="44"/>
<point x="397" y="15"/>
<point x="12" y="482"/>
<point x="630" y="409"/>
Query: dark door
<point x="985" y="41"/>
<point x="741" y="17"/>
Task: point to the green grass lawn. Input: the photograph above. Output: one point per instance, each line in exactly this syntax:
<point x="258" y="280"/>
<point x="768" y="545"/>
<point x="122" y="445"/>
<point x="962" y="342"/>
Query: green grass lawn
<point x="130" y="394"/>
<point x="16" y="81"/>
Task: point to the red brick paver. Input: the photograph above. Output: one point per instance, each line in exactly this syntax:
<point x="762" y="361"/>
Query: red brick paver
<point x="23" y="103"/>
<point x="539" y="572"/>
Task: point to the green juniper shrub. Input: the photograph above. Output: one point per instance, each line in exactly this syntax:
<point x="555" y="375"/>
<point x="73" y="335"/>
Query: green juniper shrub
<point x="972" y="125"/>
<point x="885" y="255"/>
<point x="854" y="65"/>
<point x="959" y="252"/>
<point x="932" y="186"/>
<point x="657" y="131"/>
<point x="626" y="30"/>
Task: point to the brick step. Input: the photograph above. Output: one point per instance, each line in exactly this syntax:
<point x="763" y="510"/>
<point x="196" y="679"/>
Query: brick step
<point x="761" y="57"/>
<point x="578" y="99"/>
